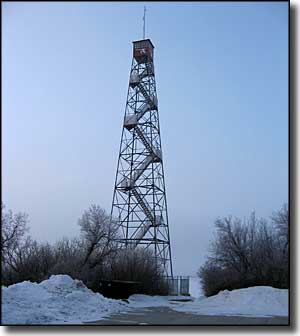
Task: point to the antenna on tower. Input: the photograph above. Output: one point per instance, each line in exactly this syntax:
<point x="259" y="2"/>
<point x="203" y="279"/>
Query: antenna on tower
<point x="144" y="19"/>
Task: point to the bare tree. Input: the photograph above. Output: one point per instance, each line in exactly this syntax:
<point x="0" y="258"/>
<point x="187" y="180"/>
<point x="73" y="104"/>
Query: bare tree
<point x="98" y="232"/>
<point x="13" y="229"/>
<point x="247" y="253"/>
<point x="30" y="261"/>
<point x="234" y="244"/>
<point x="280" y="219"/>
<point x="91" y="257"/>
<point x="69" y="256"/>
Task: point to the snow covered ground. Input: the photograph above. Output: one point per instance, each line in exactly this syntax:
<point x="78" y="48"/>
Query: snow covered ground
<point x="61" y="299"/>
<point x="252" y="301"/>
<point x="57" y="300"/>
<point x="260" y="301"/>
<point x="144" y="301"/>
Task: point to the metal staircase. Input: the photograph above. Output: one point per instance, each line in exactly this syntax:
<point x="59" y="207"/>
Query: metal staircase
<point x="144" y="205"/>
<point x="139" y="194"/>
<point x="135" y="78"/>
<point x="156" y="154"/>
<point x="128" y="183"/>
<point x="130" y="122"/>
<point x="152" y="101"/>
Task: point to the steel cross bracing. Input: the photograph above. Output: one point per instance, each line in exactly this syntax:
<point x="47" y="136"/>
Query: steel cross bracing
<point x="139" y="200"/>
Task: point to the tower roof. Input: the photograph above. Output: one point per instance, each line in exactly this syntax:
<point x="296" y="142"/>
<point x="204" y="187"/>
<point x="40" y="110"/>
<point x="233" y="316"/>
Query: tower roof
<point x="144" y="40"/>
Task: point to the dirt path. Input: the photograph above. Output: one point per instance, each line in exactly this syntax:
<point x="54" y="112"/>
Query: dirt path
<point x="167" y="316"/>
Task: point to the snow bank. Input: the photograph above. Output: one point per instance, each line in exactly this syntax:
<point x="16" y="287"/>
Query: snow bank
<point x="61" y="299"/>
<point x="252" y="301"/>
<point x="57" y="300"/>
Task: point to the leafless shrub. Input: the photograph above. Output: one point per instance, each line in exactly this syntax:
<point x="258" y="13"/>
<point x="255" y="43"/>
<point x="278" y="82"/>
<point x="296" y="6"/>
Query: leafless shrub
<point x="86" y="258"/>
<point x="69" y="256"/>
<point x="139" y="265"/>
<point x="98" y="233"/>
<point x="245" y="254"/>
<point x="13" y="229"/>
<point x="280" y="219"/>
<point x="30" y="261"/>
<point x="92" y="257"/>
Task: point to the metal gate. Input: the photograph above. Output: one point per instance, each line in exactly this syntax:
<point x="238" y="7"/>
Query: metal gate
<point x="178" y="285"/>
<point x="184" y="285"/>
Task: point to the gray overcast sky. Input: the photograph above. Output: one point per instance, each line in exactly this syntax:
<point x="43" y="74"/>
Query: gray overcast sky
<point x="222" y="81"/>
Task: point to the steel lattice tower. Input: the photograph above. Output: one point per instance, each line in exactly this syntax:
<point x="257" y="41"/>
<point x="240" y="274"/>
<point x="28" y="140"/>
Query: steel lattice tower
<point x="139" y="201"/>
